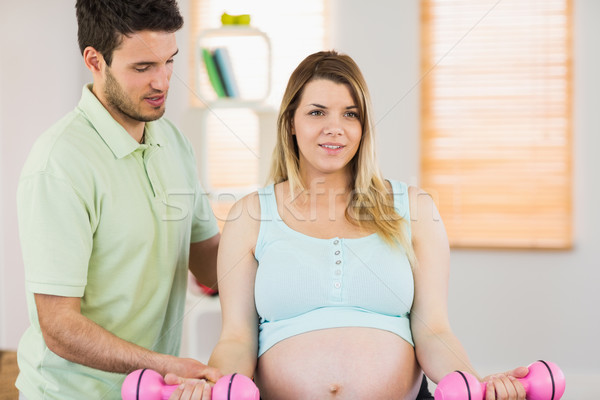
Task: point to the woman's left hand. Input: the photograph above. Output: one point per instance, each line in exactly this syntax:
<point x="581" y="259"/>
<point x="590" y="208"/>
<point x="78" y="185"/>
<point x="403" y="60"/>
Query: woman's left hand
<point x="189" y="388"/>
<point x="505" y="386"/>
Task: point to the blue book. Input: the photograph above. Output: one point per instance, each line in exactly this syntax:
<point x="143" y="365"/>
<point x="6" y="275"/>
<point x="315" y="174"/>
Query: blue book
<point x="223" y="63"/>
<point x="219" y="70"/>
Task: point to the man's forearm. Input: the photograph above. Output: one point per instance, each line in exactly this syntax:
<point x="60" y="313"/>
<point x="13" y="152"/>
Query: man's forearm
<point x="78" y="339"/>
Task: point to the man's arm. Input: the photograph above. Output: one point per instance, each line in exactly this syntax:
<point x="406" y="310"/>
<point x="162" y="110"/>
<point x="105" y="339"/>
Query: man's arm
<point x="76" y="338"/>
<point x="203" y="261"/>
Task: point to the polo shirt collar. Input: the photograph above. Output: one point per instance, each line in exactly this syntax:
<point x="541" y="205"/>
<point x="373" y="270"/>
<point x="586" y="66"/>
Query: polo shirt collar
<point x="118" y="140"/>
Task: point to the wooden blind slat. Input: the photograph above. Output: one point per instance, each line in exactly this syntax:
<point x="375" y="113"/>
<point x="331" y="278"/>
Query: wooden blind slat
<point x="496" y="120"/>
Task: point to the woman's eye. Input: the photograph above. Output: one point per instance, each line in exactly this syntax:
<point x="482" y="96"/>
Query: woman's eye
<point x="316" y="113"/>
<point x="351" y="114"/>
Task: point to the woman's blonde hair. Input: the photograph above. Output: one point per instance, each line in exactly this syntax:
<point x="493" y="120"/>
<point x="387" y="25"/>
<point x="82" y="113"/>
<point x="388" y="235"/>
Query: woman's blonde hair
<point x="371" y="205"/>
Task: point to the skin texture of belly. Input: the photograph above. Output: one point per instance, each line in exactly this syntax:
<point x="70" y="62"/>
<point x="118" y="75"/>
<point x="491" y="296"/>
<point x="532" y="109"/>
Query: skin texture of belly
<point x="340" y="363"/>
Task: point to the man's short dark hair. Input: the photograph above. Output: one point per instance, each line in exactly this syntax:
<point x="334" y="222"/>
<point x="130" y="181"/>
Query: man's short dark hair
<point x="102" y="23"/>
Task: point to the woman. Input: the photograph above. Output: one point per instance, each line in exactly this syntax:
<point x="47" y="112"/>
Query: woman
<point x="324" y="274"/>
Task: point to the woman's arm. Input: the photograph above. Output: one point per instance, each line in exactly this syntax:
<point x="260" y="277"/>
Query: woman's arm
<point x="237" y="348"/>
<point x="438" y="350"/>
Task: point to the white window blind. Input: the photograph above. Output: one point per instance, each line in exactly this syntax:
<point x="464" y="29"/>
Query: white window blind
<point x="232" y="133"/>
<point x="496" y="120"/>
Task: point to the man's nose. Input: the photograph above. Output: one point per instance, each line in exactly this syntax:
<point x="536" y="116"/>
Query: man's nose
<point x="161" y="79"/>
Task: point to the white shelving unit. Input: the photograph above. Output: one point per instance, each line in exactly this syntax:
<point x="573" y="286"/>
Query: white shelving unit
<point x="246" y="46"/>
<point x="202" y="324"/>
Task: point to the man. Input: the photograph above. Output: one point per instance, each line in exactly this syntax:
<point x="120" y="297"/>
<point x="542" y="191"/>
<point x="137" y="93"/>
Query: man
<point x="111" y="216"/>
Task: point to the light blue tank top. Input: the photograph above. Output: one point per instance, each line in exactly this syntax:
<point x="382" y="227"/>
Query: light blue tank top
<point x="305" y="283"/>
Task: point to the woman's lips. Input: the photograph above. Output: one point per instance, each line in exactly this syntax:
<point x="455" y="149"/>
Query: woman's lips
<point x="331" y="148"/>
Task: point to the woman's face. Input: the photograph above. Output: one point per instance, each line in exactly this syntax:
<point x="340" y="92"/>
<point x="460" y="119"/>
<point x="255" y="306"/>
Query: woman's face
<point x="328" y="129"/>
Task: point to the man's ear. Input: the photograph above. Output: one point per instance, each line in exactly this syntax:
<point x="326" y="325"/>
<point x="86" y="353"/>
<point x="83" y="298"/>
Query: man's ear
<point x="92" y="59"/>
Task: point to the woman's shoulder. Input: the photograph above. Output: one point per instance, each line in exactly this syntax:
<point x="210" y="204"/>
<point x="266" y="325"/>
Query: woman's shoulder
<point x="413" y="192"/>
<point x="425" y="218"/>
<point x="247" y="206"/>
<point x="421" y="203"/>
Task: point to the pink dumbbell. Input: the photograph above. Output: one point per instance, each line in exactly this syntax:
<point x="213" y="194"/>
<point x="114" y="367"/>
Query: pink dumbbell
<point x="146" y="384"/>
<point x="545" y="381"/>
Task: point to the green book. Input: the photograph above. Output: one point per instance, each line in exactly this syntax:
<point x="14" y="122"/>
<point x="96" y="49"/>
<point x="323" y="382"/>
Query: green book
<point x="213" y="74"/>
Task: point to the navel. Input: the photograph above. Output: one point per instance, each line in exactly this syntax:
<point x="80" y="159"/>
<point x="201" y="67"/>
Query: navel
<point x="334" y="389"/>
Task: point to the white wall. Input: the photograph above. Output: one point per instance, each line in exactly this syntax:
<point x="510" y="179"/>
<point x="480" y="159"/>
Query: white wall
<point x="384" y="41"/>
<point x="508" y="307"/>
<point x="41" y="80"/>
<point x="2" y="274"/>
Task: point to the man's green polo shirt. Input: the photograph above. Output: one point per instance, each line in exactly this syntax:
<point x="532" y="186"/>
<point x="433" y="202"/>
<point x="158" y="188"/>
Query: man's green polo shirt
<point x="109" y="220"/>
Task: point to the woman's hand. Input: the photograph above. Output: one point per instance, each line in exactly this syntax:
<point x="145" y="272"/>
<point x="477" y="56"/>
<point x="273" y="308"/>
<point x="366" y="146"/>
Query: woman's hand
<point x="193" y="378"/>
<point x="188" y="389"/>
<point x="505" y="386"/>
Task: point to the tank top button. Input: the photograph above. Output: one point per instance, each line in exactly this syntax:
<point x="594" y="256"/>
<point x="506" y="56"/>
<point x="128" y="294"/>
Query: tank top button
<point x="336" y="241"/>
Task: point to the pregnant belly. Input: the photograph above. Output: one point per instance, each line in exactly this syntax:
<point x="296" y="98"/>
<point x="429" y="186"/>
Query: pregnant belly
<point x="339" y="363"/>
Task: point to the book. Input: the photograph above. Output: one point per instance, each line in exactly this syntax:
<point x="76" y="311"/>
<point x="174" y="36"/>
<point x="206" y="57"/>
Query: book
<point x="223" y="63"/>
<point x="219" y="69"/>
<point x="213" y="74"/>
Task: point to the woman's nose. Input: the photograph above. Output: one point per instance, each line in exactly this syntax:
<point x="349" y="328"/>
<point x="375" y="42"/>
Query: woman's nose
<point x="333" y="127"/>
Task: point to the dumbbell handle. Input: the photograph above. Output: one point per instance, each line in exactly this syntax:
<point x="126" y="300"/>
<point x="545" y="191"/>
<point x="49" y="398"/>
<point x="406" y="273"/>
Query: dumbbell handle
<point x="146" y="384"/>
<point x="483" y="385"/>
<point x="545" y="381"/>
<point x="166" y="392"/>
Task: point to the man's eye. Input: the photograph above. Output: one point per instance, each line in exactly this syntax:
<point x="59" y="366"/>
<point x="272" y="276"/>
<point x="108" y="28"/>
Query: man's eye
<point x="142" y="69"/>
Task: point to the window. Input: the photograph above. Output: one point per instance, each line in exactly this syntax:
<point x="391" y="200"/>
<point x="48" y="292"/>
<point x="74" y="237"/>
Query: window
<point x="496" y="120"/>
<point x="233" y="134"/>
